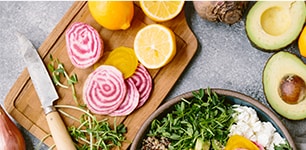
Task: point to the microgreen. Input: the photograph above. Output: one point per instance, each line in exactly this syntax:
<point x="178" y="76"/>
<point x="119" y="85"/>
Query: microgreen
<point x="205" y="117"/>
<point x="57" y="70"/>
<point x="93" y="134"/>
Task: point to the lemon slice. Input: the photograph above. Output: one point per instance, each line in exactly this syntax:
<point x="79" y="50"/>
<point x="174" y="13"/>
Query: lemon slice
<point x="155" y="46"/>
<point x="161" y="10"/>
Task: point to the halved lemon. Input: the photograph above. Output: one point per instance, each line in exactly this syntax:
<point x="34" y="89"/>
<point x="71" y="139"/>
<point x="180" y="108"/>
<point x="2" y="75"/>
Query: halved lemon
<point x="302" y="42"/>
<point x="155" y="46"/>
<point x="161" y="10"/>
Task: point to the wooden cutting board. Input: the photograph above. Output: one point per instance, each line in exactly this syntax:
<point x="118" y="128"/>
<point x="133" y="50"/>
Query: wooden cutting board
<point x="24" y="106"/>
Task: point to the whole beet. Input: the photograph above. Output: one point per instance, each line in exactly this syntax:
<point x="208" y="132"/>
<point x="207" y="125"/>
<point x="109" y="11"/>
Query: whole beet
<point x="228" y="12"/>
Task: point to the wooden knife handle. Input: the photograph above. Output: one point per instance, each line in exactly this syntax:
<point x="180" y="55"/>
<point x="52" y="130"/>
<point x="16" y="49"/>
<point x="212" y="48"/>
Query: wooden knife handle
<point x="59" y="132"/>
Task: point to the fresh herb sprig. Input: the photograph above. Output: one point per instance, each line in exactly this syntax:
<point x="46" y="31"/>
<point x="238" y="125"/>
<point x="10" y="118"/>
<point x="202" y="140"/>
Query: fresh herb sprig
<point x="204" y="117"/>
<point x="93" y="134"/>
<point x="57" y="70"/>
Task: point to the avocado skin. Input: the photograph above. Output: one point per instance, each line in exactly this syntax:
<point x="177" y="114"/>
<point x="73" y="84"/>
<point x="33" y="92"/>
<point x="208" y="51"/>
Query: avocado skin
<point x="271" y="50"/>
<point x="265" y="49"/>
<point x="283" y="109"/>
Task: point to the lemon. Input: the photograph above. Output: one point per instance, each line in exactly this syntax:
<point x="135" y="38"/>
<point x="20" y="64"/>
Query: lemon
<point x="161" y="11"/>
<point x="155" y="46"/>
<point x="113" y="15"/>
<point x="302" y="42"/>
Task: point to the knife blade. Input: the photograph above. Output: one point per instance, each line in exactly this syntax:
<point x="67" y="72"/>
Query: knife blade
<point x="46" y="92"/>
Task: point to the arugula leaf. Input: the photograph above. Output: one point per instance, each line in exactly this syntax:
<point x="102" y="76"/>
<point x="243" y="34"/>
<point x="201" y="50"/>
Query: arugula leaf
<point x="205" y="116"/>
<point x="283" y="146"/>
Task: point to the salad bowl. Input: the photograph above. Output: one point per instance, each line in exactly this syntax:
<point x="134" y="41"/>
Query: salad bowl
<point x="231" y="97"/>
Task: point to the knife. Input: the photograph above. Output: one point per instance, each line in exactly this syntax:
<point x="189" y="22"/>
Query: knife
<point x="46" y="92"/>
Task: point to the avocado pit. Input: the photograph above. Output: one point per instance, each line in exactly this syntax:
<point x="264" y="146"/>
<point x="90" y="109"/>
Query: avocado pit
<point x="292" y="89"/>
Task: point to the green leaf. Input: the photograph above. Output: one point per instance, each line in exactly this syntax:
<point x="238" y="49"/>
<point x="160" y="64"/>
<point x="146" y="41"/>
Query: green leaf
<point x="204" y="115"/>
<point x="282" y="146"/>
<point x="60" y="71"/>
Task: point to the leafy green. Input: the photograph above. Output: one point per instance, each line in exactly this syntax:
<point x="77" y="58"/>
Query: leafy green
<point x="204" y="116"/>
<point x="283" y="146"/>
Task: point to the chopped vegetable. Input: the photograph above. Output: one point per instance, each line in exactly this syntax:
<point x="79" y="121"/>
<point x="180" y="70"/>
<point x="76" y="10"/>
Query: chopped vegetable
<point x="124" y="59"/>
<point x="143" y="82"/>
<point x="10" y="136"/>
<point x="104" y="90"/>
<point x="130" y="102"/>
<point x="107" y="92"/>
<point x="204" y="116"/>
<point x="84" y="45"/>
<point x="240" y="142"/>
<point x="202" y="145"/>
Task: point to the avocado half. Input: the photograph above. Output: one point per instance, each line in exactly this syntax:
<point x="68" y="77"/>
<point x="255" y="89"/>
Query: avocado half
<point x="280" y="65"/>
<point x="273" y="25"/>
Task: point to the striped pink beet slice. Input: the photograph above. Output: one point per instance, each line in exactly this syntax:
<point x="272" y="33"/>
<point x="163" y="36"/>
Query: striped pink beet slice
<point x="130" y="102"/>
<point x="84" y="45"/>
<point x="143" y="82"/>
<point x="104" y="90"/>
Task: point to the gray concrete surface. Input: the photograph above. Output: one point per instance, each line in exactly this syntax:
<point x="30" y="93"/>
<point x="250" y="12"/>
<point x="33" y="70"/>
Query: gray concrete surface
<point x="225" y="57"/>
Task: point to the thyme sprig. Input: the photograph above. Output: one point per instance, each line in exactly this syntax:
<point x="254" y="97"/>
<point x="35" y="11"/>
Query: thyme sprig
<point x="57" y="70"/>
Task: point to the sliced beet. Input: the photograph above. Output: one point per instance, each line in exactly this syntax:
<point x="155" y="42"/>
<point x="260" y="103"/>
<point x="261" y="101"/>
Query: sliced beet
<point x="104" y="90"/>
<point x="143" y="81"/>
<point x="130" y="102"/>
<point x="84" y="45"/>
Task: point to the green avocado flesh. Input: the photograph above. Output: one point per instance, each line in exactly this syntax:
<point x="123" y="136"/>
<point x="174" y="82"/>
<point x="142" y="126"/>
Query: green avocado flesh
<point x="273" y="25"/>
<point x="277" y="67"/>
